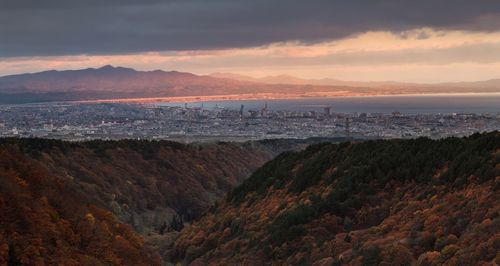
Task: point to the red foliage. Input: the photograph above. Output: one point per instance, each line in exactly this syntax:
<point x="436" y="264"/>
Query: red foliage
<point x="41" y="223"/>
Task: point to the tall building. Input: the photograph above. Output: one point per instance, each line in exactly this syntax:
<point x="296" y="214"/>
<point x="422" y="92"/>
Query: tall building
<point x="264" y="110"/>
<point x="328" y="110"/>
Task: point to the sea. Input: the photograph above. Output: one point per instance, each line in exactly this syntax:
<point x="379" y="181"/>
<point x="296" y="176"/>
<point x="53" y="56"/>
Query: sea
<point x="479" y="103"/>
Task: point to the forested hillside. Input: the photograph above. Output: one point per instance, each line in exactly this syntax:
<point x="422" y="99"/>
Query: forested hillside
<point x="395" y="202"/>
<point x="45" y="219"/>
<point x="90" y="202"/>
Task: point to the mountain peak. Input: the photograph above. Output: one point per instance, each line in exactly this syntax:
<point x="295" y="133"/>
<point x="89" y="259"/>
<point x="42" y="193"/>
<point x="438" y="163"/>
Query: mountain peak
<point x="113" y="68"/>
<point x="106" y="67"/>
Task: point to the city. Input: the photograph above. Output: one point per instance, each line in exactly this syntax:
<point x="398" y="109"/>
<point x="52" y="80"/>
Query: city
<point x="78" y="122"/>
<point x="226" y="132"/>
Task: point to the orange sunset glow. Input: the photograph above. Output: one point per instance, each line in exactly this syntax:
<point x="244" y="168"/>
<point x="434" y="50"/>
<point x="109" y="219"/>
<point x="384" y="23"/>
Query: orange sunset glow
<point x="420" y="56"/>
<point x="250" y="132"/>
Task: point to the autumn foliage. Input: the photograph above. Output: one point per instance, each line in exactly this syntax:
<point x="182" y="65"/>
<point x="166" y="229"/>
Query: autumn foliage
<point x="92" y="203"/>
<point x="396" y="202"/>
<point x="45" y="221"/>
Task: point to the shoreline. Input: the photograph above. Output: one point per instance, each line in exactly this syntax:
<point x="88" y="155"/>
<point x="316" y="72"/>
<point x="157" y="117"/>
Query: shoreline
<point x="258" y="97"/>
<point x="276" y="96"/>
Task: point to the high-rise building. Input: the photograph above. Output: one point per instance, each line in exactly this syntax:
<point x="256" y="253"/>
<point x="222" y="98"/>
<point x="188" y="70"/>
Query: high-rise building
<point x="264" y="110"/>
<point x="328" y="110"/>
<point x="241" y="110"/>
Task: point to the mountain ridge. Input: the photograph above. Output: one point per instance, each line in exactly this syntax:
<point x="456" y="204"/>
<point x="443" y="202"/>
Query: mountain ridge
<point x="382" y="202"/>
<point x="82" y="78"/>
<point x="289" y="79"/>
<point x="108" y="83"/>
<point x="112" y="202"/>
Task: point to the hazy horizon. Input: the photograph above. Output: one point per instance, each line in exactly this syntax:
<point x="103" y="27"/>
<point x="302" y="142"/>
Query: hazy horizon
<point x="249" y="75"/>
<point x="428" y="42"/>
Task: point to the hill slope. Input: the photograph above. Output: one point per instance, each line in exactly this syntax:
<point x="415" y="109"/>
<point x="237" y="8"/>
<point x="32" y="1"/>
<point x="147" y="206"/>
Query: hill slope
<point x="46" y="220"/>
<point x="113" y="202"/>
<point x="144" y="183"/>
<point x="94" y="202"/>
<point x="395" y="202"/>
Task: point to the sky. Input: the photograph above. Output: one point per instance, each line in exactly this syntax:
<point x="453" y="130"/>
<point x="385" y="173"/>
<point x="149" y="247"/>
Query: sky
<point x="424" y="41"/>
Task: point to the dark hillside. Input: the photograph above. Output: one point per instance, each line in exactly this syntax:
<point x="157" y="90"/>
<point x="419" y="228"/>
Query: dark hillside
<point x="144" y="183"/>
<point x="90" y="202"/>
<point x="397" y="202"/>
<point x="45" y="219"/>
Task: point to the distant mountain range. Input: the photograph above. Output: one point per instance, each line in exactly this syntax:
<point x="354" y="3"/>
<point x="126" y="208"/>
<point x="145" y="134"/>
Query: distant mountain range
<point x="114" y="79"/>
<point x="287" y="79"/>
<point x="110" y="82"/>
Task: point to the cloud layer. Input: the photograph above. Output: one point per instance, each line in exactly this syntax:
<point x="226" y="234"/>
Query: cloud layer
<point x="421" y="55"/>
<point x="69" y="27"/>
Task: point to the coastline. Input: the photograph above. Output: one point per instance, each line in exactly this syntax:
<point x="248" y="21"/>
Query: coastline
<point x="277" y="96"/>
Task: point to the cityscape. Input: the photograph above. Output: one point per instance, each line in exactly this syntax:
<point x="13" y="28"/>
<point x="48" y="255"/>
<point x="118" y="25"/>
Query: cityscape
<point x="226" y="132"/>
<point x="85" y="121"/>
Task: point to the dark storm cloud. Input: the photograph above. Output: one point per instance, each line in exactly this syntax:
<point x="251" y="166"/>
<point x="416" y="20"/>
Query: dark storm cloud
<point x="63" y="27"/>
